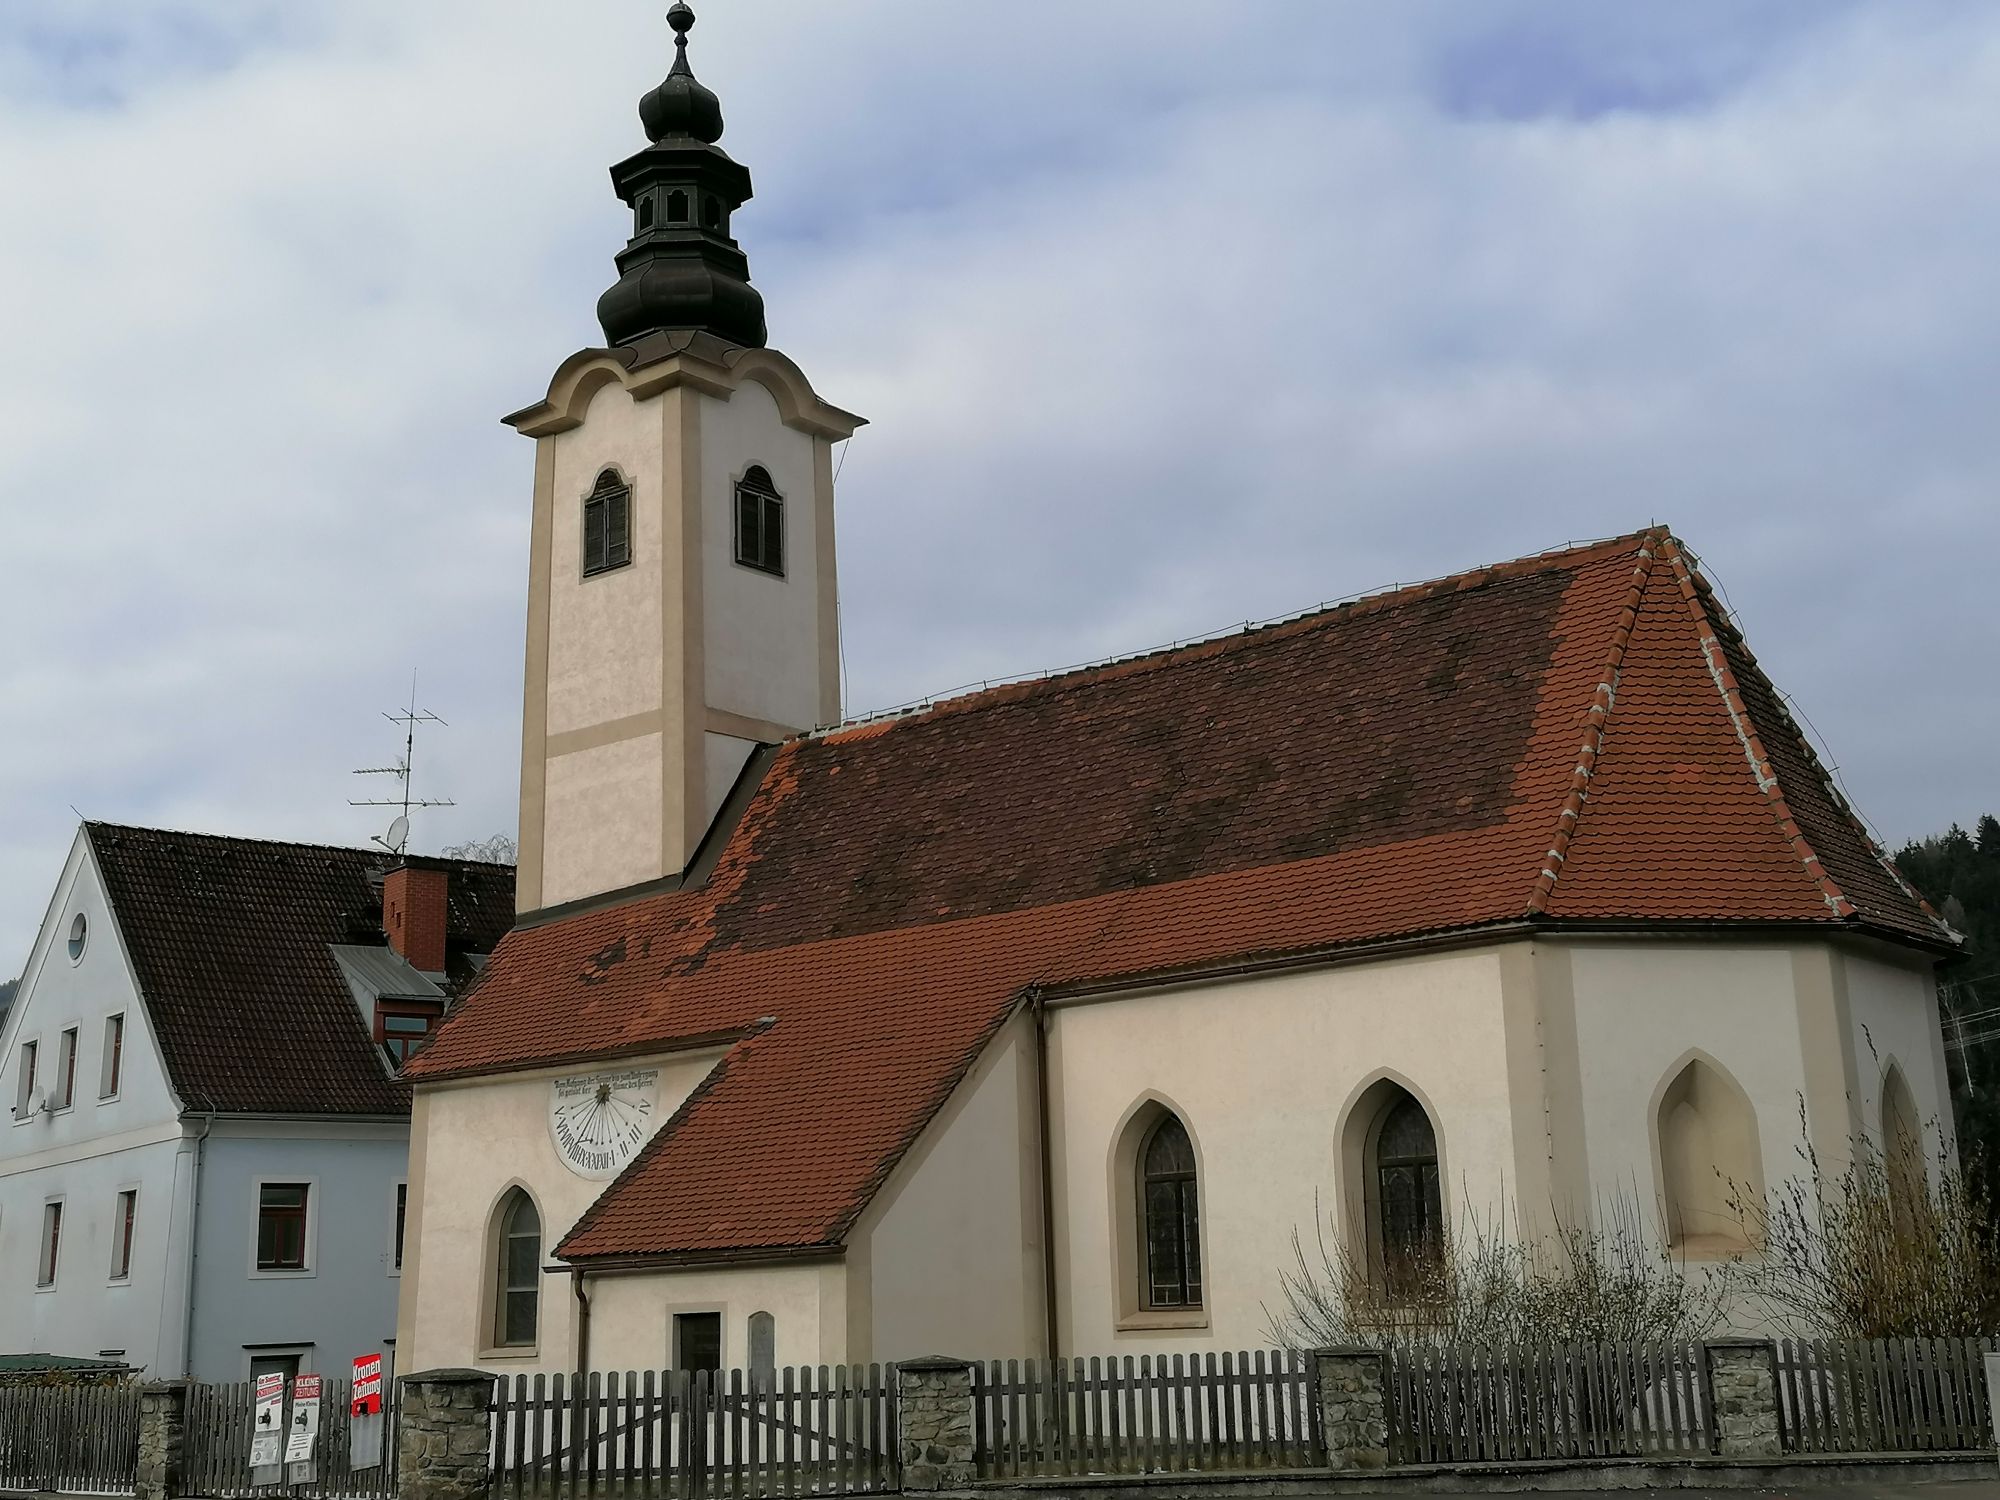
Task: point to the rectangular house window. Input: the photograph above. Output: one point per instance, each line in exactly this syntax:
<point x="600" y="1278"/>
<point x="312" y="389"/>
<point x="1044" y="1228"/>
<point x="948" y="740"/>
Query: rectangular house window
<point x="51" y="1244"/>
<point x="281" y="1226"/>
<point x="401" y="1024"/>
<point x="26" y="1089"/>
<point x="114" y="1057"/>
<point x="121" y="1234"/>
<point x="66" y="1070"/>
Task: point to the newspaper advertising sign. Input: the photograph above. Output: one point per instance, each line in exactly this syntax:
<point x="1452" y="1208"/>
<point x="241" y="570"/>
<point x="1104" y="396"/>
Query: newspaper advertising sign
<point x="267" y="1429"/>
<point x="302" y="1432"/>
<point x="364" y="1414"/>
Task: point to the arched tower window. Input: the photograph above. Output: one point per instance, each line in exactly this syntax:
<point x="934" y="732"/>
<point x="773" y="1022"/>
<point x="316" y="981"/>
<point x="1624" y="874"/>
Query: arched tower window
<point x="1170" y="1210"/>
<point x="677" y="207"/>
<point x="760" y="522"/>
<point x="517" y="1281"/>
<point x="1709" y="1159"/>
<point x="607" y="524"/>
<point x="645" y="213"/>
<point x="1902" y="1146"/>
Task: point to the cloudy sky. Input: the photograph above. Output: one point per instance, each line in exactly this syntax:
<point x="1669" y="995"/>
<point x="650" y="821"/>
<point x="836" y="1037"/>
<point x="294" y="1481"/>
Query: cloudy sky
<point x="1167" y="316"/>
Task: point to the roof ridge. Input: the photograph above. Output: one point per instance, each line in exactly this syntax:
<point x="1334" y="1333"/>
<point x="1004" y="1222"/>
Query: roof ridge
<point x="1159" y="657"/>
<point x="1603" y="697"/>
<point x="98" y="825"/>
<point x="1748" y="735"/>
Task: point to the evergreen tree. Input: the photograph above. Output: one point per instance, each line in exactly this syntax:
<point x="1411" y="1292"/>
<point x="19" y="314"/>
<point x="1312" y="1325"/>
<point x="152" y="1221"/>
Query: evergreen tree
<point x="1959" y="874"/>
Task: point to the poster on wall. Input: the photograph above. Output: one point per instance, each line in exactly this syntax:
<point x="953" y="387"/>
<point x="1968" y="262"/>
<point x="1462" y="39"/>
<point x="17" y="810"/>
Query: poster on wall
<point x="302" y="1434"/>
<point x="364" y="1414"/>
<point x="267" y="1429"/>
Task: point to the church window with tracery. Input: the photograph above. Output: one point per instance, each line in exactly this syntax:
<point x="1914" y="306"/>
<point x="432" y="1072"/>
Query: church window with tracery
<point x="1170" y="1198"/>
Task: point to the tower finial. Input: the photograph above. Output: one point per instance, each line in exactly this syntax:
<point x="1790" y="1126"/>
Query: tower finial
<point x="681" y="17"/>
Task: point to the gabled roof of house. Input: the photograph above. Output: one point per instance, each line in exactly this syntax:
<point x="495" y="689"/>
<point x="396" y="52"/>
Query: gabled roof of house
<point x="1577" y="737"/>
<point x="231" y="942"/>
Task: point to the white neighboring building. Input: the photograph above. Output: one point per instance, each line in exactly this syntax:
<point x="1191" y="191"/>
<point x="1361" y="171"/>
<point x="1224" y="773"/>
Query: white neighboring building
<point x="202" y="1159"/>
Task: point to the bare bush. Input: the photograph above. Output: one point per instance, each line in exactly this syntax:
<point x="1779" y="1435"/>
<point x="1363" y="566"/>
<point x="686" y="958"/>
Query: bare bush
<point x="1881" y="1249"/>
<point x="1486" y="1284"/>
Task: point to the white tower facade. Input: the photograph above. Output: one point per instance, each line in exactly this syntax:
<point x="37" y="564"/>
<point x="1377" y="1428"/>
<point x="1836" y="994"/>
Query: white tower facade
<point x="683" y="607"/>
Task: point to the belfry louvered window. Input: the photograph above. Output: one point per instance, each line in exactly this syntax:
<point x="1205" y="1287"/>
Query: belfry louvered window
<point x="607" y="525"/>
<point x="760" y="522"/>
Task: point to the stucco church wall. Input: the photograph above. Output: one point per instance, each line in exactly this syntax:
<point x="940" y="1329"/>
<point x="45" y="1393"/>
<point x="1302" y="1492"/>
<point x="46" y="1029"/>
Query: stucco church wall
<point x="1263" y="1072"/>
<point x="963" y="1211"/>
<point x="603" y="819"/>
<point x="760" y="633"/>
<point x="1894" y="1014"/>
<point x="469" y="1144"/>
<point x="632" y="1317"/>
<point x="605" y="632"/>
<point x="1641" y="1010"/>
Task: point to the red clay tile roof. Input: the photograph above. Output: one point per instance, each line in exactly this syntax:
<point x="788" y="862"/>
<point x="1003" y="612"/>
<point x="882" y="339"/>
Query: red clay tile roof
<point x="229" y="941"/>
<point x="1578" y="736"/>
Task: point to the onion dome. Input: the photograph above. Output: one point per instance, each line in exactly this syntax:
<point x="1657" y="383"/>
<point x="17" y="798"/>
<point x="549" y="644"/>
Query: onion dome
<point x="681" y="271"/>
<point x="681" y="105"/>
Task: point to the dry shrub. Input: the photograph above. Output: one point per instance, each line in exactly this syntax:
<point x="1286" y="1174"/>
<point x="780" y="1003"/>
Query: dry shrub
<point x="1487" y="1285"/>
<point x="1881" y="1249"/>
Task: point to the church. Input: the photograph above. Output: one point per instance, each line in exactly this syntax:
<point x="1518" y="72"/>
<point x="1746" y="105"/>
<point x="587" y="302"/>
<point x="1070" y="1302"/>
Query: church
<point x="1036" y="1021"/>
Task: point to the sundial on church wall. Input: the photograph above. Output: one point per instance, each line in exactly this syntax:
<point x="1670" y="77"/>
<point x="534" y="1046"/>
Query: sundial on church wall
<point x="599" y="1121"/>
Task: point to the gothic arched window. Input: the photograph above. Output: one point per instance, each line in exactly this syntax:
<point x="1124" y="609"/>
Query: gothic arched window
<point x="760" y="522"/>
<point x="1708" y="1159"/>
<point x="1170" y="1206"/>
<point x="607" y="524"/>
<point x="517" y="1280"/>
<point x="1407" y="1197"/>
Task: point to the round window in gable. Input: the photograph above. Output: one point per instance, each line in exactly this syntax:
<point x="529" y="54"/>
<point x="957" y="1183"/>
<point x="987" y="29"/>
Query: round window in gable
<point x="79" y="930"/>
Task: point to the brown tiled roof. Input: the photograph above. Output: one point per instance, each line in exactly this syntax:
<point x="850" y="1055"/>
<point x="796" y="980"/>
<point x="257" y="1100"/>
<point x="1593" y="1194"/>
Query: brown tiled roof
<point x="1573" y="737"/>
<point x="229" y="941"/>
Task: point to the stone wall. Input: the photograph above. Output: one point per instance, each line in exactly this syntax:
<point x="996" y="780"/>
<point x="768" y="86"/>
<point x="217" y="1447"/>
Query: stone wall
<point x="443" y="1435"/>
<point x="162" y="1439"/>
<point x="934" y="1438"/>
<point x="1353" y="1408"/>
<point x="1743" y="1374"/>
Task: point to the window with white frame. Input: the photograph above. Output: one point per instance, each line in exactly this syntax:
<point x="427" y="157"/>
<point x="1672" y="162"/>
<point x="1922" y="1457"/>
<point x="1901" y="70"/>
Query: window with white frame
<point x="124" y="1222"/>
<point x="66" y="1070"/>
<point x="25" y="1089"/>
<point x="282" y="1209"/>
<point x="112" y="1071"/>
<point x="52" y="1216"/>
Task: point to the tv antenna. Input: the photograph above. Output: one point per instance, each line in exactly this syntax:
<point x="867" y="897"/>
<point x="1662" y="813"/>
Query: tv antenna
<point x="398" y="836"/>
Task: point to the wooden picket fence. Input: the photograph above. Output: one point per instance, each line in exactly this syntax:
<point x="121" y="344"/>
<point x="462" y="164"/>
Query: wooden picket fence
<point x="1485" y="1404"/>
<point x="744" y="1434"/>
<point x="216" y="1454"/>
<point x="1884" y="1395"/>
<point x="77" y="1439"/>
<point x="1242" y="1413"/>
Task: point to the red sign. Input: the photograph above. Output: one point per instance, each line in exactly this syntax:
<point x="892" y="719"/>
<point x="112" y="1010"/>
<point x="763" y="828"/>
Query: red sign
<point x="365" y="1400"/>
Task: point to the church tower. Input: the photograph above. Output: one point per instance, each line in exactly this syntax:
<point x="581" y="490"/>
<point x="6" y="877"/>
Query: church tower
<point x="682" y="606"/>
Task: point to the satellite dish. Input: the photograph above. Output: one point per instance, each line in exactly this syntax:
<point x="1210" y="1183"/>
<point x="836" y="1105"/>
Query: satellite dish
<point x="397" y="836"/>
<point x="38" y="1103"/>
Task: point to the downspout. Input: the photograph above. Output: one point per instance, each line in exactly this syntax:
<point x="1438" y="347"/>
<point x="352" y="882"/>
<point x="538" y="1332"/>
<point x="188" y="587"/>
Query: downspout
<point x="194" y="1241"/>
<point x="576" y="1274"/>
<point x="1038" y="1017"/>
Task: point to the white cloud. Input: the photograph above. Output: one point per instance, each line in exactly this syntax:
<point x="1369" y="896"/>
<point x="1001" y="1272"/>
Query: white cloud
<point x="1166" y="318"/>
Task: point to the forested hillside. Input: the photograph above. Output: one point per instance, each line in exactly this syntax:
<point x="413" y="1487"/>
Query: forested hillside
<point x="1959" y="874"/>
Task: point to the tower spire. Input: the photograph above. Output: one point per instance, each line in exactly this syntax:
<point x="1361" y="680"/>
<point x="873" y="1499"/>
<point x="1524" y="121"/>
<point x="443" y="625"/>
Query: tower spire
<point x="681" y="271"/>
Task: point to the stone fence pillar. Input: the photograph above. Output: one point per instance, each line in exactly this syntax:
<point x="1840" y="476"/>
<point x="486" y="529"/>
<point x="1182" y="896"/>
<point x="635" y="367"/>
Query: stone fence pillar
<point x="1353" y="1411"/>
<point x="444" y="1434"/>
<point x="1743" y="1377"/>
<point x="934" y="1423"/>
<point x="162" y="1439"/>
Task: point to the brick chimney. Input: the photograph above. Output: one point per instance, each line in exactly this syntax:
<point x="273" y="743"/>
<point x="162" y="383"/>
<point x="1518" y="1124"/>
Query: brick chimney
<point x="414" y="906"/>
